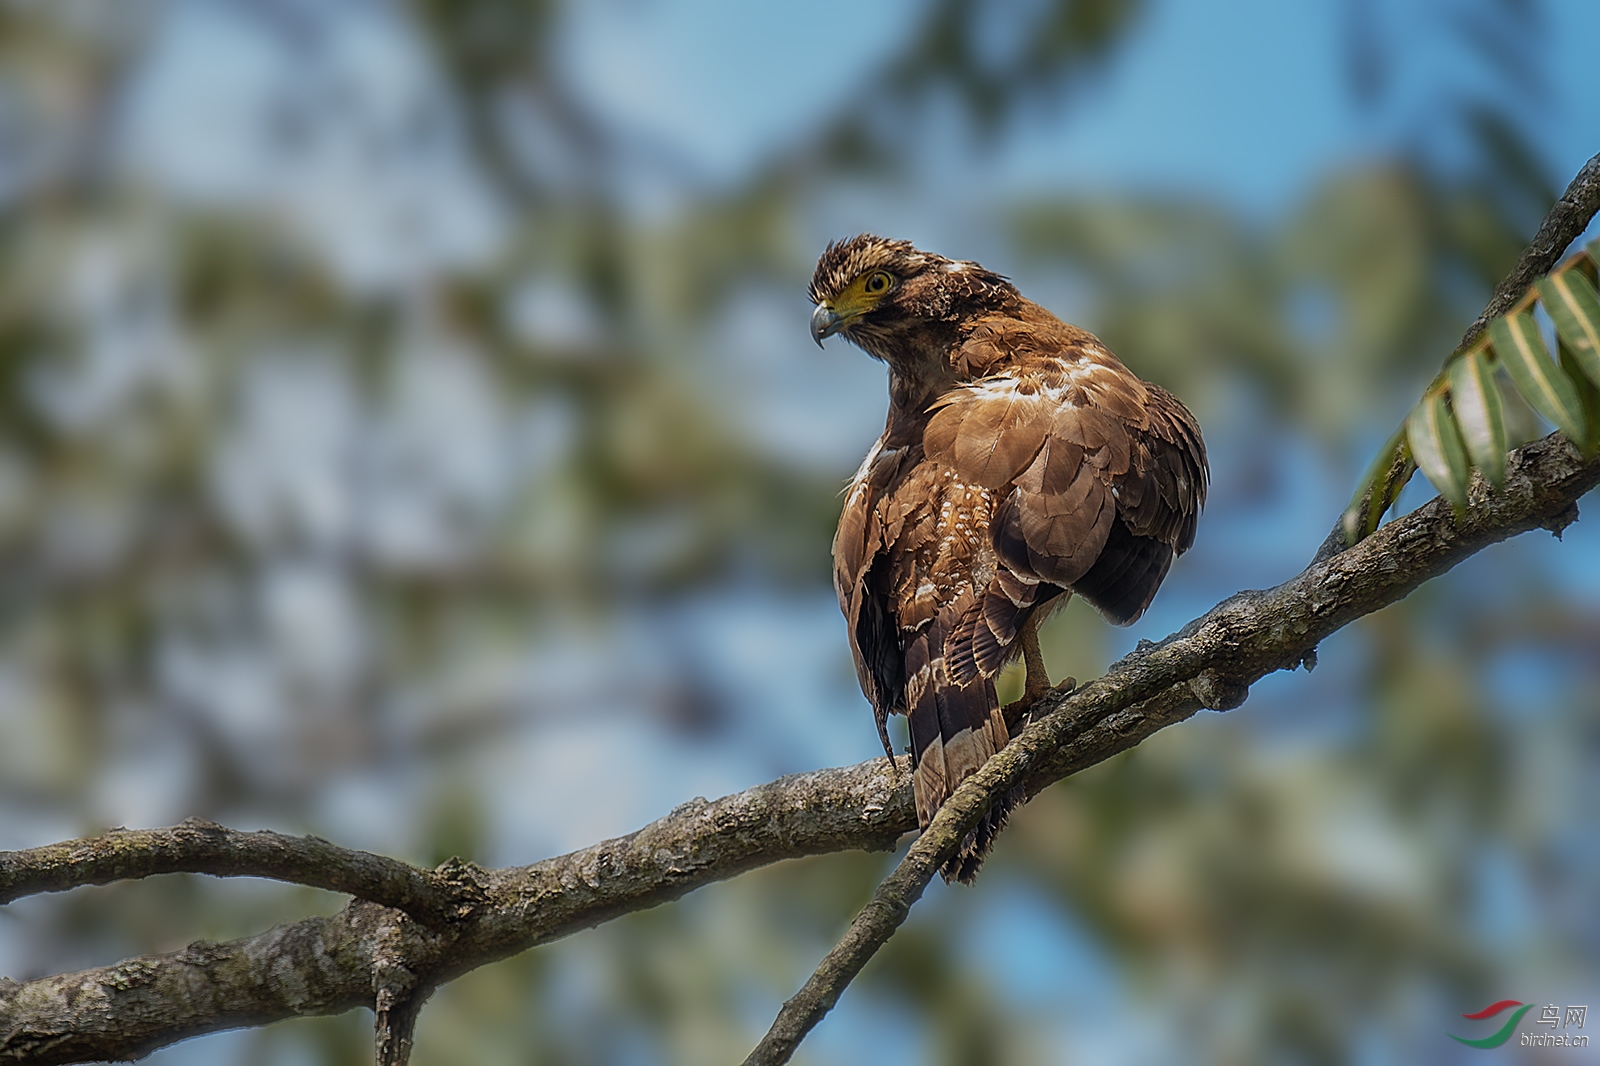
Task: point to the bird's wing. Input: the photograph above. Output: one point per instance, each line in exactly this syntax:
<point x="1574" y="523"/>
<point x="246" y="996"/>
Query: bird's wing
<point x="904" y="568"/>
<point x="859" y="574"/>
<point x="1102" y="475"/>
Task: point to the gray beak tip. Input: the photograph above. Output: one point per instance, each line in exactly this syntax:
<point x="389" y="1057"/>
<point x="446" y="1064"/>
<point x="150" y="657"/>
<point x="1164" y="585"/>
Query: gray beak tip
<point x="824" y="323"/>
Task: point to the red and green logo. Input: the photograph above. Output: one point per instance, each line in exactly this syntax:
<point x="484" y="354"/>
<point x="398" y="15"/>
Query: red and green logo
<point x="1504" y="1033"/>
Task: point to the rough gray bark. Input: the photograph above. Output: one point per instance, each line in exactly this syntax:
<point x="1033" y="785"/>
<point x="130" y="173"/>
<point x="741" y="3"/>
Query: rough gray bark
<point x="329" y="965"/>
<point x="202" y="847"/>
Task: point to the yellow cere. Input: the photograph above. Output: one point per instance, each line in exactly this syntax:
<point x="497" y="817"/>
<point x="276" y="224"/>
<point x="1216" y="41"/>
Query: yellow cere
<point x="862" y="294"/>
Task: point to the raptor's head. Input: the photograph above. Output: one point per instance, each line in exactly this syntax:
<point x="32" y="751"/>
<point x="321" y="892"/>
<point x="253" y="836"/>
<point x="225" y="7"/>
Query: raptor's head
<point x="889" y="297"/>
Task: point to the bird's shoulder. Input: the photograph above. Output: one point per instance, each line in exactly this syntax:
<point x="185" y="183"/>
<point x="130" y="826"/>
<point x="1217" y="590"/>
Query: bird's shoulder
<point x="1025" y="341"/>
<point x="1031" y="377"/>
<point x="1052" y="418"/>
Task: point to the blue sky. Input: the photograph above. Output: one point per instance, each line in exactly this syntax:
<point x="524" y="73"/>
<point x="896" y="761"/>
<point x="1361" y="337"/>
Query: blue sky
<point x="1245" y="101"/>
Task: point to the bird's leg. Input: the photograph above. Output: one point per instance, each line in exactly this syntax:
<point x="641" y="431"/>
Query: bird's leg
<point x="1038" y="680"/>
<point x="1037" y="684"/>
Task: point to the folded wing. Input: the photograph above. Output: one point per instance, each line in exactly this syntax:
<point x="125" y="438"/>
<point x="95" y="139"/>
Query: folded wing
<point x="1101" y="478"/>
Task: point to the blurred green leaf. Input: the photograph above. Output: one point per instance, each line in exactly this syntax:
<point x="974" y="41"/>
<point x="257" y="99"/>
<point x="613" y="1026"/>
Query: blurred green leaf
<point x="1574" y="307"/>
<point x="1517" y="342"/>
<point x="1379" y="488"/>
<point x="1588" y="395"/>
<point x="1475" y="398"/>
<point x="1436" y="444"/>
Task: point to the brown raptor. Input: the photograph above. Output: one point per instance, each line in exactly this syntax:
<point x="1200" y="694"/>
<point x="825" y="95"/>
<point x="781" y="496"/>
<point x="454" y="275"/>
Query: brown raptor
<point x="1021" y="462"/>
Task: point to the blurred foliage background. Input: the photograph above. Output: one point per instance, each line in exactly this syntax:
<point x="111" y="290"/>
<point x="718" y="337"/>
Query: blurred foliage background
<point x="411" y="436"/>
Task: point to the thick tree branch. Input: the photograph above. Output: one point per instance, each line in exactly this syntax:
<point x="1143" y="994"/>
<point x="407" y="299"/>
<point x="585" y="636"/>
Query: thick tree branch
<point x="329" y="965"/>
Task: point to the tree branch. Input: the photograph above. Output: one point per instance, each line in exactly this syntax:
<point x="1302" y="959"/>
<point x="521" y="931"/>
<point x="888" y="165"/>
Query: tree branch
<point x="399" y="994"/>
<point x="202" y="847"/>
<point x="410" y="929"/>
<point x="1566" y="220"/>
<point x="329" y="965"/>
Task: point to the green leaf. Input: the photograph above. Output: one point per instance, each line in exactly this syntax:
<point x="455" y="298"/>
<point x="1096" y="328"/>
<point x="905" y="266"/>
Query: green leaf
<point x="1438" y="449"/>
<point x="1589" y="265"/>
<point x="1574" y="307"/>
<point x="1395" y="479"/>
<point x="1588" y="394"/>
<point x="1378" y="489"/>
<point x="1519" y="346"/>
<point x="1476" y="399"/>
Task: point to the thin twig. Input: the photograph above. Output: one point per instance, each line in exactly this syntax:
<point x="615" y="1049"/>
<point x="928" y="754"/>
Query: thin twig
<point x="399" y="992"/>
<point x="202" y="847"/>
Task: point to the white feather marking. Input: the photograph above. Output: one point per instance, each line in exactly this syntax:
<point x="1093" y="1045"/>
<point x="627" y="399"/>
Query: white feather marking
<point x="929" y="784"/>
<point x="1006" y="388"/>
<point x="1085" y="372"/>
<point x="866" y="464"/>
<point x="996" y="388"/>
<point x="916" y="685"/>
<point x="858" y="481"/>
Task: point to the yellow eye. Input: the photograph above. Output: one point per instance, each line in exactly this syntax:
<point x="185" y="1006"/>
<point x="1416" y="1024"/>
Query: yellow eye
<point x="878" y="283"/>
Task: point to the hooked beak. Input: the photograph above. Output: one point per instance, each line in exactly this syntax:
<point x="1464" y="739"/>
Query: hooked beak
<point x="825" y="322"/>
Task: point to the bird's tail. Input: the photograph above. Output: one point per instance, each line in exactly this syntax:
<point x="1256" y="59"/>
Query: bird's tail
<point x="955" y="728"/>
